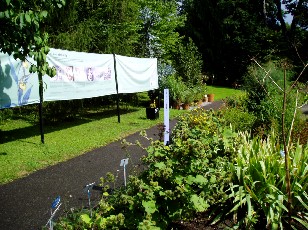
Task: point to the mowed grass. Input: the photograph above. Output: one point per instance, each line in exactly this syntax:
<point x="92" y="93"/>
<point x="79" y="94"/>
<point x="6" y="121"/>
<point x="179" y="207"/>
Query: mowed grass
<point x="21" y="150"/>
<point x="222" y="92"/>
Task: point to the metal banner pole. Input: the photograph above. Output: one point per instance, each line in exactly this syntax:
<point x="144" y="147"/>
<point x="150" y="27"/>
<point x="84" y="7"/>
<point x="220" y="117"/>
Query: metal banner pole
<point x="41" y="107"/>
<point x="117" y="87"/>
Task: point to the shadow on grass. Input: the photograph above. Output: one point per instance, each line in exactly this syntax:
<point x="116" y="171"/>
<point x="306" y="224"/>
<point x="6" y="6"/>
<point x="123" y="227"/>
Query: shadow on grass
<point x="49" y="127"/>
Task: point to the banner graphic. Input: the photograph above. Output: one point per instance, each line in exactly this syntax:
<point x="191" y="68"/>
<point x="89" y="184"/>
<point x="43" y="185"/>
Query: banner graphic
<point x="17" y="85"/>
<point x="79" y="75"/>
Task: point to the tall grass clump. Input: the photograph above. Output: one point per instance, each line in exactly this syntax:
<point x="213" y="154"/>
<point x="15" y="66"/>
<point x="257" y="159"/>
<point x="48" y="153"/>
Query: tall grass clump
<point x="276" y="101"/>
<point x="236" y="113"/>
<point x="264" y="86"/>
<point x="258" y="185"/>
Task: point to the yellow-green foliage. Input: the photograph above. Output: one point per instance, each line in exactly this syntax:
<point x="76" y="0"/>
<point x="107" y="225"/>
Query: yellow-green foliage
<point x="259" y="186"/>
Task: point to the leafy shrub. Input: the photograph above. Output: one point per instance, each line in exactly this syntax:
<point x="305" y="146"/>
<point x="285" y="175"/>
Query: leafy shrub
<point x="185" y="177"/>
<point x="176" y="87"/>
<point x="258" y="189"/>
<point x="187" y="62"/>
<point x="28" y="112"/>
<point x="188" y="176"/>
<point x="206" y="166"/>
<point x="236" y="113"/>
<point x="5" y="114"/>
<point x="239" y="119"/>
<point x="61" y="110"/>
<point x="265" y="97"/>
<point x="237" y="101"/>
<point x="142" y="98"/>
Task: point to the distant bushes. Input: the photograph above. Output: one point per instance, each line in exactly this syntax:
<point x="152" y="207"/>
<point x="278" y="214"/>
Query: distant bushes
<point x="55" y="111"/>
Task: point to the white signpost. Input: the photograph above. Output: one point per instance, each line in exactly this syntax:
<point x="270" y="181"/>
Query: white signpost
<point x="123" y="163"/>
<point x="166" y="116"/>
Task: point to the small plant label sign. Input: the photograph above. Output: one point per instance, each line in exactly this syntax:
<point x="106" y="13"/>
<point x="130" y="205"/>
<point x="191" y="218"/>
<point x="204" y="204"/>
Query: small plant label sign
<point x="123" y="164"/>
<point x="88" y="189"/>
<point x="54" y="208"/>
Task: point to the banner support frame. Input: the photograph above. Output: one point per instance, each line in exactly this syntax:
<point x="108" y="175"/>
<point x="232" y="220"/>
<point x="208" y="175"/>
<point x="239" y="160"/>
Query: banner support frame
<point x="41" y="107"/>
<point x="117" y="87"/>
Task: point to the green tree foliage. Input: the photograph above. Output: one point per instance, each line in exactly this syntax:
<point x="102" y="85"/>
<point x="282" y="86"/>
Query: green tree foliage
<point x="229" y="33"/>
<point x="100" y="27"/>
<point x="187" y="62"/>
<point x="117" y="26"/>
<point x="128" y="27"/>
<point x="204" y="26"/>
<point x="159" y="23"/>
<point x="294" y="34"/>
<point x="22" y="33"/>
<point x="299" y="11"/>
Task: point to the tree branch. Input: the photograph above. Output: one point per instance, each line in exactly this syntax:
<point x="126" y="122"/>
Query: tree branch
<point x="280" y="17"/>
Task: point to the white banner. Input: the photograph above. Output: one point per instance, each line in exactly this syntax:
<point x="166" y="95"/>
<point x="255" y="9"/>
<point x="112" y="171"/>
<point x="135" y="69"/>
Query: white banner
<point x="136" y="74"/>
<point x="79" y="75"/>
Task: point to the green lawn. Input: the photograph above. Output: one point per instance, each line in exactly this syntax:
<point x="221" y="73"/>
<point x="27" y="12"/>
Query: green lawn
<point x="21" y="150"/>
<point x="222" y="92"/>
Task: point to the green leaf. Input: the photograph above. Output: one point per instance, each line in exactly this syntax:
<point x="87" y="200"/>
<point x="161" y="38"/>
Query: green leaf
<point x="21" y="18"/>
<point x="178" y="179"/>
<point x="38" y="40"/>
<point x="43" y="13"/>
<point x="190" y="179"/>
<point x="213" y="180"/>
<point x="160" y="165"/>
<point x="86" y="218"/>
<point x="249" y="206"/>
<point x="303" y="222"/>
<point x="201" y="179"/>
<point x="105" y="194"/>
<point x="302" y="202"/>
<point x="262" y="164"/>
<point x="7" y="14"/>
<point x="217" y="218"/>
<point x="149" y="206"/>
<point x="199" y="203"/>
<point x="28" y="18"/>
